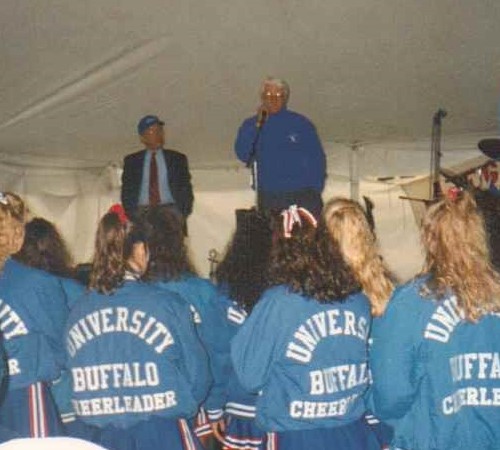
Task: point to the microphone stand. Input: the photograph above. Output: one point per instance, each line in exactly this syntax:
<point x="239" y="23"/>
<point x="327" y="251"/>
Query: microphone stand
<point x="213" y="258"/>
<point x="434" y="186"/>
<point x="252" y="157"/>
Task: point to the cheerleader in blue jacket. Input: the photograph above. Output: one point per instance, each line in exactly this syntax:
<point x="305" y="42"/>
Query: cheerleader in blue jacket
<point x="242" y="278"/>
<point x="138" y="369"/>
<point x="352" y="230"/>
<point x="436" y="350"/>
<point x="32" y="315"/>
<point x="44" y="248"/>
<point x="304" y="347"/>
<point x="170" y="269"/>
<point x="5" y="433"/>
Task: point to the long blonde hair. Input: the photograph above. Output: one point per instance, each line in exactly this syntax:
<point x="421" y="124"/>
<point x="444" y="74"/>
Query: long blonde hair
<point x="457" y="256"/>
<point x="348" y="226"/>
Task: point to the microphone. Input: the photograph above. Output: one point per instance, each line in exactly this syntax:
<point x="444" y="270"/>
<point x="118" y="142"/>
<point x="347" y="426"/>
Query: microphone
<point x="261" y="117"/>
<point x="262" y="114"/>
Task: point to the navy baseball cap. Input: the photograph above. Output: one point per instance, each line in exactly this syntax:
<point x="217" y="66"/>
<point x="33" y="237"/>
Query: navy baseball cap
<point x="146" y="122"/>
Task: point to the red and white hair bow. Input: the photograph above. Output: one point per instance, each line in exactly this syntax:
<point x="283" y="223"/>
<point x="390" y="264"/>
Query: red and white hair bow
<point x="294" y="215"/>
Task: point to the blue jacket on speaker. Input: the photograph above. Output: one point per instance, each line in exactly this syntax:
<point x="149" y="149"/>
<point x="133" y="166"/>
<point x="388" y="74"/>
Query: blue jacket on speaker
<point x="289" y="154"/>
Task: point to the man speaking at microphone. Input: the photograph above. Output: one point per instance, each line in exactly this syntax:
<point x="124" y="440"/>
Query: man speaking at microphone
<point x="284" y="151"/>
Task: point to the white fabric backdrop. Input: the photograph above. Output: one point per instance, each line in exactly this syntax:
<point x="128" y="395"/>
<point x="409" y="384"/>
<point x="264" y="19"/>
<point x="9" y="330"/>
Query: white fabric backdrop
<point x="75" y="194"/>
<point x="213" y="222"/>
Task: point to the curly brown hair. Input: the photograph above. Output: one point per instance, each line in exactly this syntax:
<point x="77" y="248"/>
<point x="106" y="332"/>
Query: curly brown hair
<point x="457" y="256"/>
<point x="310" y="263"/>
<point x="244" y="268"/>
<point x="168" y="253"/>
<point x="45" y="249"/>
<point x="349" y="229"/>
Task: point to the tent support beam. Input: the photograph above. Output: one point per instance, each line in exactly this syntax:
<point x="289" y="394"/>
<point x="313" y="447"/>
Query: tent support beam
<point x="354" y="171"/>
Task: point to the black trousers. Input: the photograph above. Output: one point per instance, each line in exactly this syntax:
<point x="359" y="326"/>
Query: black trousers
<point x="278" y="201"/>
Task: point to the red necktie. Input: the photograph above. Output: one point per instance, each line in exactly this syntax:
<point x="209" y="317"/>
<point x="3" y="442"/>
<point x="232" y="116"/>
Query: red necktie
<point x="154" y="189"/>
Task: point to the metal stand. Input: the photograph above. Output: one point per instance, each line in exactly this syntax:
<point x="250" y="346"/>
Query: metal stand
<point x="434" y="186"/>
<point x="252" y="158"/>
<point x="435" y="170"/>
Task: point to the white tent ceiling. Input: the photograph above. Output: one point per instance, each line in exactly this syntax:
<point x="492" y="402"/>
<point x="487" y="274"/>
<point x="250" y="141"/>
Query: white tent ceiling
<point x="77" y="75"/>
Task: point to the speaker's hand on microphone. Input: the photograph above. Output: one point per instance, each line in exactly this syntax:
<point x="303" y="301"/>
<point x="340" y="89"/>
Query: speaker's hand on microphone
<point x="262" y="115"/>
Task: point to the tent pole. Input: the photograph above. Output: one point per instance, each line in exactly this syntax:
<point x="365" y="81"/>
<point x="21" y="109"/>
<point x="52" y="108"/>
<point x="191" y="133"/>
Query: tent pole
<point x="354" y="171"/>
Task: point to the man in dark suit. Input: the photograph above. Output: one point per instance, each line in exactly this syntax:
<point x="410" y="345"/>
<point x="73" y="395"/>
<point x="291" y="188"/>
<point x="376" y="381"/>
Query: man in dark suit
<point x="156" y="176"/>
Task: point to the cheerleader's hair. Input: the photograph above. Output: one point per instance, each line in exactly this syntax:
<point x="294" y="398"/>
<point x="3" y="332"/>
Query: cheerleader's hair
<point x="305" y="261"/>
<point x="348" y="226"/>
<point x="243" y="271"/>
<point x="13" y="215"/>
<point x="457" y="255"/>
